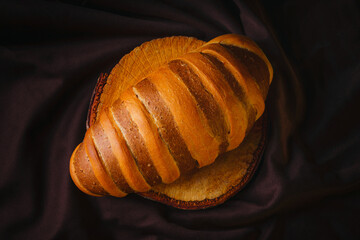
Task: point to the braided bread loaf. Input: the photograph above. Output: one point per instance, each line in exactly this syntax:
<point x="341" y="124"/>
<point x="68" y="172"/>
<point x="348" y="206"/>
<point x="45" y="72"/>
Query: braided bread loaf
<point x="178" y="118"/>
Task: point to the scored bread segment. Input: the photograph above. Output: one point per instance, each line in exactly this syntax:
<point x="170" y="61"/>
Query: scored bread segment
<point x="105" y="154"/>
<point x="111" y="149"/>
<point x="254" y="66"/>
<point x="210" y="112"/>
<point x="240" y="73"/>
<point x="240" y="91"/>
<point x="244" y="42"/>
<point x="98" y="167"/>
<point x="153" y="145"/>
<point x="145" y="141"/>
<point x="122" y="110"/>
<point x="83" y="175"/>
<point x="164" y="120"/>
<point x="182" y="106"/>
<point x="126" y="162"/>
<point x="215" y="83"/>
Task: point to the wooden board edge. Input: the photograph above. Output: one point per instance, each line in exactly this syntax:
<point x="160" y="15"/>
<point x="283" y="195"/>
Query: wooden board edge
<point x="208" y="203"/>
<point x="95" y="99"/>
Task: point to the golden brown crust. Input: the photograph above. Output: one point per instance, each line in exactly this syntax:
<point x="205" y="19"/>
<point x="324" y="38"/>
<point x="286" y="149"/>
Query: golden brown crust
<point x="168" y="130"/>
<point x="239" y="91"/>
<point x="151" y="143"/>
<point x="126" y="162"/>
<point x="211" y="110"/>
<point x="177" y="117"/>
<point x="122" y="115"/>
<point x="254" y="65"/>
<point x="246" y="43"/>
<point x="240" y="73"/>
<point x="152" y="55"/>
<point x="202" y="147"/>
<point x="112" y="161"/>
<point x="98" y="167"/>
<point x="215" y="83"/>
<point x="82" y="173"/>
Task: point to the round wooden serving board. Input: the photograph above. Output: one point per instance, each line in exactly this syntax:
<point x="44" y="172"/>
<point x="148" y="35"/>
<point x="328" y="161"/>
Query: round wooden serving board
<point x="205" y="187"/>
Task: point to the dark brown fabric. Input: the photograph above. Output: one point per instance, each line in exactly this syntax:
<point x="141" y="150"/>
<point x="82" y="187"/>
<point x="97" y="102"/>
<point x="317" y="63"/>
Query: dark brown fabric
<point x="308" y="183"/>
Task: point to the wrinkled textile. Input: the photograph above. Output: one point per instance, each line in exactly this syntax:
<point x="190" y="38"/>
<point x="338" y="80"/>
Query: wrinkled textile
<point x="307" y="185"/>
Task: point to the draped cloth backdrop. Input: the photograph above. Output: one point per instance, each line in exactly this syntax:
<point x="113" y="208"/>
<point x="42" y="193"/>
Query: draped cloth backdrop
<point x="308" y="182"/>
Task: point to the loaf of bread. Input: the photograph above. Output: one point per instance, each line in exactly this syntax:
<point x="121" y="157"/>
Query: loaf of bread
<point x="175" y="120"/>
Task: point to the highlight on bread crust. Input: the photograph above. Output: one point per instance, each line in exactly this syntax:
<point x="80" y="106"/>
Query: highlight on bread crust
<point x="178" y="118"/>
